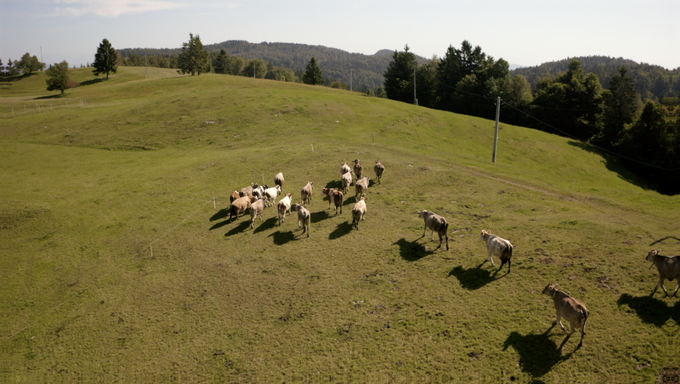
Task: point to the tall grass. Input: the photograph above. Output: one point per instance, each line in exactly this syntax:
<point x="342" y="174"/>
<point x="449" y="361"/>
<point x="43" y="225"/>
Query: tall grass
<point x="120" y="266"/>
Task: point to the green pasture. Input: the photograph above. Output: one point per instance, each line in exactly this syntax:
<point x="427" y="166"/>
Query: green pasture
<point x="120" y="263"/>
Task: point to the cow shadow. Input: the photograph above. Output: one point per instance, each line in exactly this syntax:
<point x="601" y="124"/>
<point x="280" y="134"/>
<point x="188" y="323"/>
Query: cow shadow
<point x="350" y="200"/>
<point x="319" y="216"/>
<point x="538" y="354"/>
<point x="219" y="215"/>
<point x="651" y="310"/>
<point x="281" y="238"/>
<point x="267" y="224"/>
<point x="337" y="184"/>
<point x="474" y="278"/>
<point x="371" y="183"/>
<point x="341" y="230"/>
<point x="239" y="228"/>
<point x="411" y="250"/>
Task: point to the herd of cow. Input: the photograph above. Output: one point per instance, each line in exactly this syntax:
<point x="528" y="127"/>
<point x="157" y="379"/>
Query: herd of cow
<point x="257" y="197"/>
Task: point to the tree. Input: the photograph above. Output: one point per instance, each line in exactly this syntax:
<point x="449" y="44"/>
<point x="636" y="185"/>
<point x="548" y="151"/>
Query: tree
<point x="399" y="76"/>
<point x="193" y="59"/>
<point x="313" y="74"/>
<point x="57" y="77"/>
<point x="220" y="62"/>
<point x="255" y="68"/>
<point x="105" y="60"/>
<point x="620" y="107"/>
<point x="28" y="64"/>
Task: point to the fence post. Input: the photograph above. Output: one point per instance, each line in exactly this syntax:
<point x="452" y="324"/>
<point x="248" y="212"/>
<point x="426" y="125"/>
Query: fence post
<point x="498" y="115"/>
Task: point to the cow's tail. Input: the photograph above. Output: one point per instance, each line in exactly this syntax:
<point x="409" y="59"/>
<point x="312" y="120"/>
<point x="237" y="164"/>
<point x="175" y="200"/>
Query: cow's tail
<point x="584" y="315"/>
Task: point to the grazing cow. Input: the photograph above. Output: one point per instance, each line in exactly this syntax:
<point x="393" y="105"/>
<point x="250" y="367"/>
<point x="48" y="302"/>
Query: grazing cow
<point x="435" y="223"/>
<point x="361" y="187"/>
<point x="304" y="218"/>
<point x="379" y="168"/>
<point x="358" y="169"/>
<point x="278" y="180"/>
<point x="359" y="212"/>
<point x="307" y="192"/>
<point x="270" y="195"/>
<point x="346" y="181"/>
<point x="571" y="309"/>
<point x="499" y="247"/>
<point x="344" y="168"/>
<point x="335" y="197"/>
<point x="234" y="195"/>
<point x="256" y="210"/>
<point x="259" y="191"/>
<point x="248" y="191"/>
<point x="240" y="205"/>
<point x="668" y="267"/>
<point x="283" y="207"/>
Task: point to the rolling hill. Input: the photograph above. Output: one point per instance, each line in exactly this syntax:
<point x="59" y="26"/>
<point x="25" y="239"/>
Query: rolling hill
<point x="121" y="264"/>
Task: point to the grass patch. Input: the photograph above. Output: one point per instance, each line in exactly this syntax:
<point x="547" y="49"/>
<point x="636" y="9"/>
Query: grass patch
<point x="122" y="267"/>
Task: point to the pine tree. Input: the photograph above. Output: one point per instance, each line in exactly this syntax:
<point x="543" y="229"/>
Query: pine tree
<point x="313" y="74"/>
<point x="620" y="106"/>
<point x="399" y="76"/>
<point x="105" y="59"/>
<point x="193" y="59"/>
<point x="57" y="77"/>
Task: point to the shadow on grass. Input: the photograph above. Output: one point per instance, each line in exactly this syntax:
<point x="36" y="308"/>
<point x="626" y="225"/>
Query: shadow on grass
<point x="651" y="310"/>
<point x="411" y="250"/>
<point x="341" y="230"/>
<point x="57" y="96"/>
<point x="93" y="81"/>
<point x="267" y="224"/>
<point x="350" y="200"/>
<point x="474" y="278"/>
<point x="221" y="214"/>
<point x="281" y="238"/>
<point x="239" y="228"/>
<point x="610" y="161"/>
<point x="337" y="184"/>
<point x="319" y="216"/>
<point x="537" y="353"/>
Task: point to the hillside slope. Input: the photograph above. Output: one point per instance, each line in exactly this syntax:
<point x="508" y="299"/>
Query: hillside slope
<point x="123" y="264"/>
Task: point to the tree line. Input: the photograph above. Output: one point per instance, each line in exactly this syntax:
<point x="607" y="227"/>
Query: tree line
<point x="615" y="121"/>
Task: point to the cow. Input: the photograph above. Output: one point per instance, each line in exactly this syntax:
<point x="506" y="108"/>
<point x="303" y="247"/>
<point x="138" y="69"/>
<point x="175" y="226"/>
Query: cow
<point x="234" y="195"/>
<point x="283" y="207"/>
<point x="359" y="212"/>
<point x="335" y="197"/>
<point x="344" y="168"/>
<point x="248" y="191"/>
<point x="256" y="210"/>
<point x="346" y="181"/>
<point x="270" y="195"/>
<point x="240" y="205"/>
<point x="361" y="187"/>
<point x="378" y="168"/>
<point x="499" y="247"/>
<point x="259" y="191"/>
<point x="358" y="169"/>
<point x="278" y="180"/>
<point x="668" y="267"/>
<point x="307" y="192"/>
<point x="304" y="218"/>
<point x="435" y="223"/>
<point x="568" y="307"/>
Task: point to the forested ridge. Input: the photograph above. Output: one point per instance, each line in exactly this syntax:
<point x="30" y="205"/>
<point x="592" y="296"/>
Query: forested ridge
<point x="651" y="81"/>
<point x="364" y="72"/>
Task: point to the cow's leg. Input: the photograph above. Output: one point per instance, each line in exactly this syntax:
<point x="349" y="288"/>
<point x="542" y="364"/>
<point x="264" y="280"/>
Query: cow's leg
<point x="432" y="236"/>
<point x="491" y="259"/>
<point x="677" y="287"/>
<point x="661" y="281"/>
<point x="559" y="321"/>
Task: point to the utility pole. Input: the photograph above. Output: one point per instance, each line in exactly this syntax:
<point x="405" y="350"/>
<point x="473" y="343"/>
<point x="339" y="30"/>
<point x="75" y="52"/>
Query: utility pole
<point x="498" y="115"/>
<point x="415" y="99"/>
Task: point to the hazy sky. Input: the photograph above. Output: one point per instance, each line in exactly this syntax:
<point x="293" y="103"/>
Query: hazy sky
<point x="524" y="32"/>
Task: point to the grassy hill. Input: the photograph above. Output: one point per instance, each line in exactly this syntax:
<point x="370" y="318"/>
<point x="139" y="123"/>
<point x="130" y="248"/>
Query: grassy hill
<point x="120" y="266"/>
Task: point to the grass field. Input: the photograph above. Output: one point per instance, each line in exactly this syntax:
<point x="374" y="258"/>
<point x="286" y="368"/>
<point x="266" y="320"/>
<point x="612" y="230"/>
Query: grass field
<point x="120" y="264"/>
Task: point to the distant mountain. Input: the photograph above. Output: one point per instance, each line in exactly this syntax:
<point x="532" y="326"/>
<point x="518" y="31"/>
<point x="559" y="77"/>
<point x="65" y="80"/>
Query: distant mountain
<point x="364" y="71"/>
<point x="651" y="81"/>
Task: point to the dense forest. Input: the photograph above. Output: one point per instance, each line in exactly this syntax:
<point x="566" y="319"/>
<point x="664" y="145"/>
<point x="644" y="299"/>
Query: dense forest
<point x="361" y="72"/>
<point x="651" y="81"/>
<point x="638" y="134"/>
